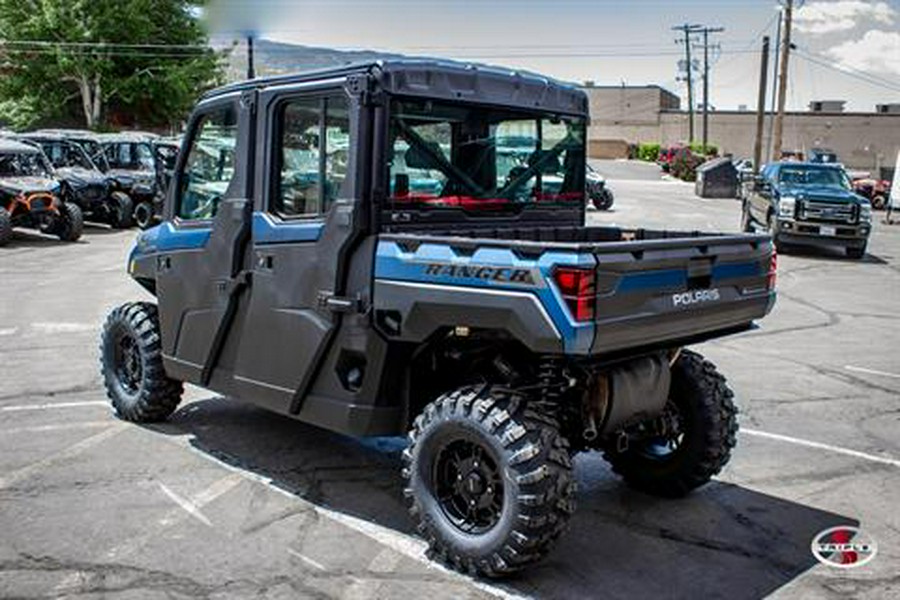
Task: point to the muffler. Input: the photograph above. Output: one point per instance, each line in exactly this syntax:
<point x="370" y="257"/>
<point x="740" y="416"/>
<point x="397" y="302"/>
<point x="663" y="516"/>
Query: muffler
<point x="627" y="393"/>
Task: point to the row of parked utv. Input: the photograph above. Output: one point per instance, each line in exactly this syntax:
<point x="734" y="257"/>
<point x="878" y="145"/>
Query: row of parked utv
<point x="53" y="180"/>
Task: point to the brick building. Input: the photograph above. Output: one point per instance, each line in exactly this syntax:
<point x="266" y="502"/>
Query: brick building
<point x="622" y="115"/>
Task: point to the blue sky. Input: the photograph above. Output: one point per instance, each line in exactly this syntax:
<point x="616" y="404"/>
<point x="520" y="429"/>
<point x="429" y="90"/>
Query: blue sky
<point x="847" y="49"/>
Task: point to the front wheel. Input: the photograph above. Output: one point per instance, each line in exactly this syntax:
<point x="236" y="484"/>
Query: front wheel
<point x="143" y="215"/>
<point x="489" y="480"/>
<point x="70" y="222"/>
<point x="120" y="211"/>
<point x="698" y="444"/>
<point x="132" y="367"/>
<point x="6" y="228"/>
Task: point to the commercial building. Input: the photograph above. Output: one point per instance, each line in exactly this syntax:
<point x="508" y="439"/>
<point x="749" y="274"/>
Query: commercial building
<point x="622" y="115"/>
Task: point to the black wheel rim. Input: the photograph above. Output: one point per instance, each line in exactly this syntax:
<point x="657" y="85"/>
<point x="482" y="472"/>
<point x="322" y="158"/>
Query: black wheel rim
<point x="665" y="447"/>
<point x="468" y="486"/>
<point x="129" y="369"/>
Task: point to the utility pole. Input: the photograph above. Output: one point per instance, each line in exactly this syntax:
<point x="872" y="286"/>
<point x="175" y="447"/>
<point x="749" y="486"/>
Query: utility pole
<point x="706" y="31"/>
<point x="688" y="30"/>
<point x="782" y="81"/>
<point x="250" y="72"/>
<point x="774" y="87"/>
<point x="761" y="105"/>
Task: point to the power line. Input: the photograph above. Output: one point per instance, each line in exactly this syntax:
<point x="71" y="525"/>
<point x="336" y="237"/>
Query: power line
<point x="850" y="72"/>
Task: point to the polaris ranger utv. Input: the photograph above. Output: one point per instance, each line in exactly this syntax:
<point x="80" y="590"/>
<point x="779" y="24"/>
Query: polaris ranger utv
<point x="316" y="276"/>
<point x="82" y="182"/>
<point x="29" y="196"/>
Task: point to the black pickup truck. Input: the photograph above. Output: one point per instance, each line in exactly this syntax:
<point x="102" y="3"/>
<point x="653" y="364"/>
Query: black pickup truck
<point x="349" y="248"/>
<point x="808" y="204"/>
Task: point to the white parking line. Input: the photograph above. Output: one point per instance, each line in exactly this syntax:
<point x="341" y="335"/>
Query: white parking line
<point x="52" y="327"/>
<point x="59" y="427"/>
<point x="314" y="564"/>
<point x="189" y="507"/>
<point x="8" y="331"/>
<point x="52" y="405"/>
<point x="871" y="372"/>
<point x="820" y="446"/>
<point x="410" y="547"/>
<point x="74" y="450"/>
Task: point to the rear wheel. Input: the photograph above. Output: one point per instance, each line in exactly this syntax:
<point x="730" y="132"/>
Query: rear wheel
<point x="132" y="368"/>
<point x="120" y="211"/>
<point x="699" y="442"/>
<point x="143" y="215"/>
<point x="70" y="222"/>
<point x="6" y="229"/>
<point x="603" y="200"/>
<point x="490" y="481"/>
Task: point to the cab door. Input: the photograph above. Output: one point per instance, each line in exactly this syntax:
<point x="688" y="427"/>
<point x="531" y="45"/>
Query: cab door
<point x="302" y="230"/>
<point x="202" y="242"/>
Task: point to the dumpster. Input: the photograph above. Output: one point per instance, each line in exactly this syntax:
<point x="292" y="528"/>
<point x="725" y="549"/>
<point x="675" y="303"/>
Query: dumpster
<point x="717" y="178"/>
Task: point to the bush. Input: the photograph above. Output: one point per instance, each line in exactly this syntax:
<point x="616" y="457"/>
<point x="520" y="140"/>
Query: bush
<point x="685" y="164"/>
<point x="709" y="150"/>
<point x="648" y="152"/>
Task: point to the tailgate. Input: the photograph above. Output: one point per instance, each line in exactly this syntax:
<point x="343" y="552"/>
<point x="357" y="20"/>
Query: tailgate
<point x="672" y="289"/>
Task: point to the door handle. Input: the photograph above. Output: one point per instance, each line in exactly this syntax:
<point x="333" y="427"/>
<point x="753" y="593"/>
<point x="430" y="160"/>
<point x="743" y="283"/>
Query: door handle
<point x="265" y="262"/>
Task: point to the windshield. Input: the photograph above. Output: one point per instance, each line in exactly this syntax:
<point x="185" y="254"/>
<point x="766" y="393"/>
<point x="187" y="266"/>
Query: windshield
<point x="64" y="154"/>
<point x="479" y="158"/>
<point x="23" y="165"/>
<point x="130" y="156"/>
<point x="806" y="176"/>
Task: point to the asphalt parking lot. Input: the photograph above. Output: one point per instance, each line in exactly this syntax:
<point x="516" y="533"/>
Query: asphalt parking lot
<point x="228" y="501"/>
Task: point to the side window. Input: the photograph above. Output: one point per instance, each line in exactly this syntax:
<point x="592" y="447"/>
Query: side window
<point x="312" y="155"/>
<point x="144" y="156"/>
<point x="209" y="167"/>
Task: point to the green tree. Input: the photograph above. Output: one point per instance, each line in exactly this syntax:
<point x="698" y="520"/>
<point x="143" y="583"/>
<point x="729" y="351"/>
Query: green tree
<point x="107" y="61"/>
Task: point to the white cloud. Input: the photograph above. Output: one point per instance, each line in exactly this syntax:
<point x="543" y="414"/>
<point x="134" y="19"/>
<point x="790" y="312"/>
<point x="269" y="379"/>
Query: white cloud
<point x="819" y="18"/>
<point x="877" y="51"/>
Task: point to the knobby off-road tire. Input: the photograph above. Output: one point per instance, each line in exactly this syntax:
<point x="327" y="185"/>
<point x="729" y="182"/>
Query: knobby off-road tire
<point x="6" y="229"/>
<point x="120" y="211"/>
<point x="521" y="475"/>
<point x="708" y="423"/>
<point x="70" y="223"/>
<point x="143" y="215"/>
<point x="603" y="200"/>
<point x="132" y="368"/>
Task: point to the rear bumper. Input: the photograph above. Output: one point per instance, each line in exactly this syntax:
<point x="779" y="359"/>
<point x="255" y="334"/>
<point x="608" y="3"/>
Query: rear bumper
<point x="673" y="327"/>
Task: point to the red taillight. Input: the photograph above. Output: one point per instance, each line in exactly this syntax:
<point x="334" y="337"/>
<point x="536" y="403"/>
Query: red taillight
<point x="577" y="288"/>
<point x="773" y="270"/>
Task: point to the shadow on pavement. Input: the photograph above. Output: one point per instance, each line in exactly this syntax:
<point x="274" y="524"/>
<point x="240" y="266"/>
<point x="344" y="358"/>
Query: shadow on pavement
<point x="722" y="541"/>
<point x="830" y="253"/>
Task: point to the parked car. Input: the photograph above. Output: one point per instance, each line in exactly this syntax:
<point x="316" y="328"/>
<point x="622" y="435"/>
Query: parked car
<point x="29" y="195"/>
<point x="808" y="204"/>
<point x="485" y="321"/>
<point x="82" y="182"/>
<point x="823" y="156"/>
<point x="877" y="191"/>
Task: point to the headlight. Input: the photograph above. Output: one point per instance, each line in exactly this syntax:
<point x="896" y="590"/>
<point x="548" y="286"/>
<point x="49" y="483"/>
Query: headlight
<point x="786" y="206"/>
<point x="865" y="212"/>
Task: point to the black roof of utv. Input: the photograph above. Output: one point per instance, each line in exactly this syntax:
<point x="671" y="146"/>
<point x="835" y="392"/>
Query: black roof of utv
<point x="443" y="80"/>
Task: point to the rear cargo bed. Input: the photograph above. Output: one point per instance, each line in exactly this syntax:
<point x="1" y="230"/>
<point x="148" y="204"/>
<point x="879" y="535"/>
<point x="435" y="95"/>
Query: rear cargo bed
<point x="651" y="288"/>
